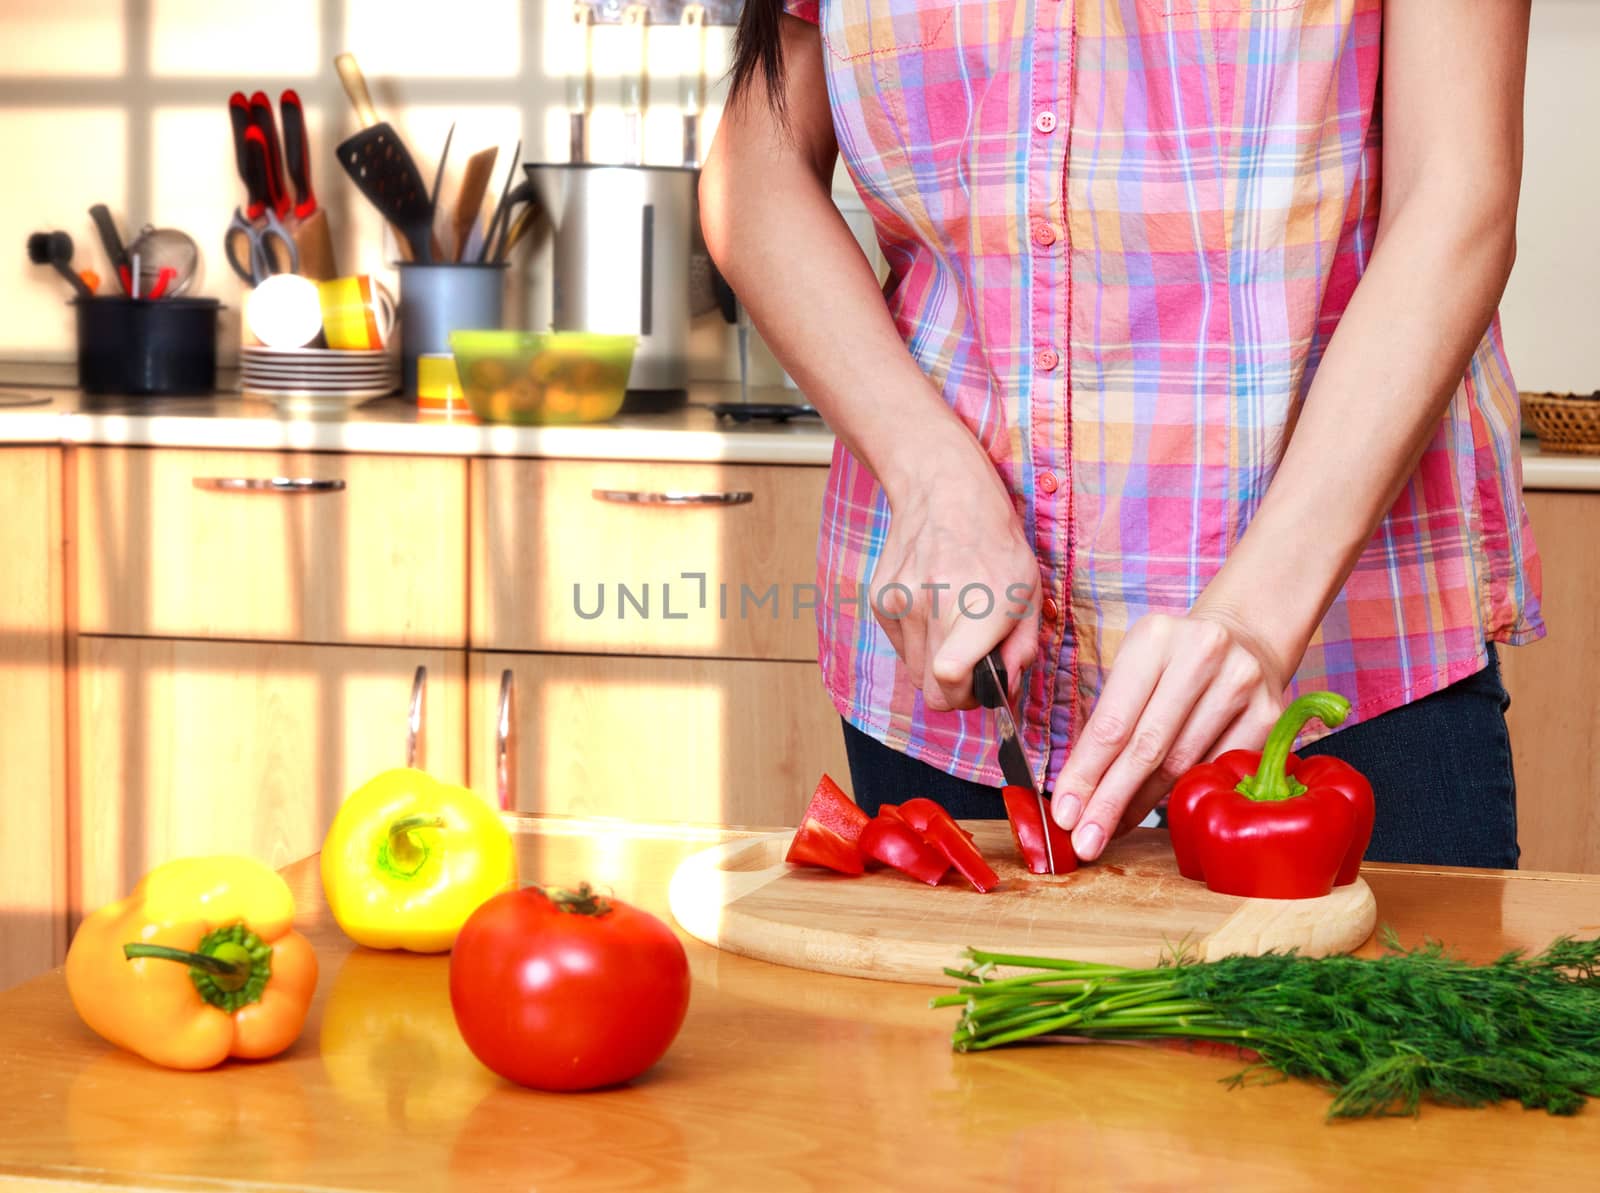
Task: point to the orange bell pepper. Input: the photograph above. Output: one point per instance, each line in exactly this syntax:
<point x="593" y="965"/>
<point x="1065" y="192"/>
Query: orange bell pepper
<point x="243" y="980"/>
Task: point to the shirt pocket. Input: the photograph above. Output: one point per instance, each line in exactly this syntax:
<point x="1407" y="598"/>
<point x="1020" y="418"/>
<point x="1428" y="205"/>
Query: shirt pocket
<point x="861" y="30"/>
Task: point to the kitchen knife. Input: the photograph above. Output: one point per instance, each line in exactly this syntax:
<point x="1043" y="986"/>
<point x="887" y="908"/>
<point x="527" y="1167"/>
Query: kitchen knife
<point x="239" y="113"/>
<point x="262" y="117"/>
<point x="297" y="153"/>
<point x="990" y="687"/>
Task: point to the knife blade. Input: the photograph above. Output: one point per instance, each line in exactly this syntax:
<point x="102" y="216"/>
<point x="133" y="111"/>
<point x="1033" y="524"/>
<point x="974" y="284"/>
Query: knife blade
<point x="990" y="687"/>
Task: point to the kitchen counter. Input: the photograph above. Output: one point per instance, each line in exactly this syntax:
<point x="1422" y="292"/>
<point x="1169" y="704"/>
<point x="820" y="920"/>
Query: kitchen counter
<point x="780" y="1080"/>
<point x="393" y="426"/>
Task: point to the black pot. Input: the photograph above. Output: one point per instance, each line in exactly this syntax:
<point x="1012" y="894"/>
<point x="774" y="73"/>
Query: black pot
<point x="147" y="347"/>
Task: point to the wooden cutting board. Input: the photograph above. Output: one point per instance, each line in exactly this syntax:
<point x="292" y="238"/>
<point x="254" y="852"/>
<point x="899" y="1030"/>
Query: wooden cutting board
<point x="1130" y="908"/>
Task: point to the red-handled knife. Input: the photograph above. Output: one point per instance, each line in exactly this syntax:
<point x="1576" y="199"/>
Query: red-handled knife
<point x="297" y="153"/>
<point x="261" y="117"/>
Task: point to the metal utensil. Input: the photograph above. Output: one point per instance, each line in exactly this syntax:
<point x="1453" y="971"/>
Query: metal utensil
<point x="438" y="173"/>
<point x="164" y="253"/>
<point x="580" y="87"/>
<point x="385" y="172"/>
<point x="636" y="84"/>
<point x="692" y="24"/>
<point x="55" y="250"/>
<point x="111" y="241"/>
<point x="990" y="687"/>
<point x="258" y="248"/>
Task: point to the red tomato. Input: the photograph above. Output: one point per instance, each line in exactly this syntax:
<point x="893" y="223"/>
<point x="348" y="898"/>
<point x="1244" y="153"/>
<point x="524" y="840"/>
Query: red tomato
<point x="567" y="990"/>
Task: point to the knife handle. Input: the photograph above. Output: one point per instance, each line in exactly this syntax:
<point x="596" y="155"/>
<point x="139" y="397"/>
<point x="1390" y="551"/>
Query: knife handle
<point x="983" y="680"/>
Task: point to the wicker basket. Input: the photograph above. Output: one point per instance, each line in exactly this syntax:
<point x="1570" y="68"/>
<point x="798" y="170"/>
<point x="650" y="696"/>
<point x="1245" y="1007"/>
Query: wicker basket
<point x="1565" y="422"/>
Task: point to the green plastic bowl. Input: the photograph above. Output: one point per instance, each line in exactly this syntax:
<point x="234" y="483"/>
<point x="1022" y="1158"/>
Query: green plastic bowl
<point x="543" y="377"/>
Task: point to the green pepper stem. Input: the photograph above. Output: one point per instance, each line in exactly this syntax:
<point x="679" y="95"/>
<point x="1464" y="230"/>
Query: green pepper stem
<point x="401" y="853"/>
<point x="203" y="961"/>
<point x="1272" y="780"/>
<point x="229" y="969"/>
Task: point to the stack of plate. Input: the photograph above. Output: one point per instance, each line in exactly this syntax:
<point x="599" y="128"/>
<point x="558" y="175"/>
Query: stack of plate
<point x="317" y="378"/>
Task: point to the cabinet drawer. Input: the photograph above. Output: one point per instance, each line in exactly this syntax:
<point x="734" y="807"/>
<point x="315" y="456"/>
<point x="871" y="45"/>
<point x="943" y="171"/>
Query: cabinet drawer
<point x="357" y="549"/>
<point x="709" y="741"/>
<point x="191" y="748"/>
<point x="645" y="558"/>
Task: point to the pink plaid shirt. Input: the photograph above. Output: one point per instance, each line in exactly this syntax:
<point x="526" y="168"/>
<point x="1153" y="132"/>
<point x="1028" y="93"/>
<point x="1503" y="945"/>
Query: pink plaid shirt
<point x="1121" y="233"/>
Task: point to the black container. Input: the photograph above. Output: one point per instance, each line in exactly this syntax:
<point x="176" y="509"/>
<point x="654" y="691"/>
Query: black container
<point x="148" y="347"/>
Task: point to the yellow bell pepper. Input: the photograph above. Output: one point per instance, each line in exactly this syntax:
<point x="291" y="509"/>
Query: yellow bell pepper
<point x="244" y="978"/>
<point x="409" y="858"/>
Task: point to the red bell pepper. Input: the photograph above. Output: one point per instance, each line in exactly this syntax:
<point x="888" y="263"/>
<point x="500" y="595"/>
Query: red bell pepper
<point x="833" y="809"/>
<point x="945" y="835"/>
<point x="896" y="844"/>
<point x="818" y="845"/>
<point x="920" y="812"/>
<point x="1270" y="825"/>
<point x="1032" y="832"/>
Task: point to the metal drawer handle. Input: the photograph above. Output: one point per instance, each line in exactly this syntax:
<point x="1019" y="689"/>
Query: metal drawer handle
<point x="267" y="484"/>
<point x="502" y="743"/>
<point x="414" y="718"/>
<point x="635" y="497"/>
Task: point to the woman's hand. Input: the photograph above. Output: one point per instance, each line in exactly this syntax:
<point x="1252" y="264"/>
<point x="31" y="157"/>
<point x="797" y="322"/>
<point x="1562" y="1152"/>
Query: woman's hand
<point x="956" y="575"/>
<point x="1182" y="690"/>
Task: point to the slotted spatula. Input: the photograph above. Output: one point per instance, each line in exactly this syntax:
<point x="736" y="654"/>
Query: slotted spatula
<point x="385" y="172"/>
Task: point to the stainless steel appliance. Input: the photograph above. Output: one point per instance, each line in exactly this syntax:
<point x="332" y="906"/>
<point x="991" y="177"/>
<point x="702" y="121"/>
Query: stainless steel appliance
<point x="623" y="238"/>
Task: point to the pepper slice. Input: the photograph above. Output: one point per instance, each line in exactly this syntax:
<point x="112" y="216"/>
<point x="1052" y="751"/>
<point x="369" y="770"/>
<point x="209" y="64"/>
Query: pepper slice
<point x="833" y="809"/>
<point x="945" y="835"/>
<point x="818" y="845"/>
<point x="1038" y="838"/>
<point x="1269" y="825"/>
<point x="921" y="811"/>
<point x="896" y="844"/>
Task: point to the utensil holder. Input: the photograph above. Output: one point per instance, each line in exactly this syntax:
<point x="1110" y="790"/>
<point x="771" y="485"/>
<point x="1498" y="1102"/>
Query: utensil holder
<point x="438" y="299"/>
<point x="147" y="347"/>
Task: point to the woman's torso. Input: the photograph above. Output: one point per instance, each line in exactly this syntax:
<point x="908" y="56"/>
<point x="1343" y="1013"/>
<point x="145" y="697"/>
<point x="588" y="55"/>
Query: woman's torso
<point x="1120" y="234"/>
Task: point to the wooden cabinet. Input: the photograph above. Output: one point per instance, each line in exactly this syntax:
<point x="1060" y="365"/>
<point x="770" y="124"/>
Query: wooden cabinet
<point x="1555" y="692"/>
<point x="190" y="747"/>
<point x="33" y="855"/>
<point x="714" y="741"/>
<point x="272" y="546"/>
<point x="623" y="557"/>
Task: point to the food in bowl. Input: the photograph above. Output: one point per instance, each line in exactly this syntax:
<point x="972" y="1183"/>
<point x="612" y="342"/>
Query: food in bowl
<point x="543" y="377"/>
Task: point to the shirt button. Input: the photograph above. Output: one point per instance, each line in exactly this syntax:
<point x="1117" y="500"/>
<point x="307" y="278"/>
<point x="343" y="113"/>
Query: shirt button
<point x="1043" y="235"/>
<point x="1047" y="482"/>
<point x="1050" y="609"/>
<point x="1046" y="360"/>
<point x="1045" y="122"/>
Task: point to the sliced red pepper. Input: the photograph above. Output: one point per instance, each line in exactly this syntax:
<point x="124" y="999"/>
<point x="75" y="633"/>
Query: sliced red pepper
<point x="833" y="809"/>
<point x="921" y="811"/>
<point x="896" y="844"/>
<point x="818" y="845"/>
<point x="1270" y="825"/>
<point x="945" y="835"/>
<point x="1038" y="838"/>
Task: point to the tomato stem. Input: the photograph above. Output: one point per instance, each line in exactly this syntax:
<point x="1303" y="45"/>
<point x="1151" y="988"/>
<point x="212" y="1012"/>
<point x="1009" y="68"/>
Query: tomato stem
<point x="582" y="901"/>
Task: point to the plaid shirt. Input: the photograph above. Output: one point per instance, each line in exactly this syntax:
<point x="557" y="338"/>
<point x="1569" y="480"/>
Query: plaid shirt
<point x="1121" y="233"/>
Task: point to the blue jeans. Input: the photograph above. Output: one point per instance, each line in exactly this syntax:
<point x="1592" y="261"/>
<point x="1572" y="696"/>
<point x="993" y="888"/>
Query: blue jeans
<point x="1440" y="769"/>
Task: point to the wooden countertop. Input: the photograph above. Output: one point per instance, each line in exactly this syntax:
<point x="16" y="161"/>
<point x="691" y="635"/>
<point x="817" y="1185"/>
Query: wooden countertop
<point x="780" y="1080"/>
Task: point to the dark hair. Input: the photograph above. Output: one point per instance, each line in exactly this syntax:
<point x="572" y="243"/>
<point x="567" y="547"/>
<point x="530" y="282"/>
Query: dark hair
<point x="758" y="50"/>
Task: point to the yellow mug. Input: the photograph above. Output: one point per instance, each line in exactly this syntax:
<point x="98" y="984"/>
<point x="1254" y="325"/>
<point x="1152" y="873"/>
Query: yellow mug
<point x="357" y="313"/>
